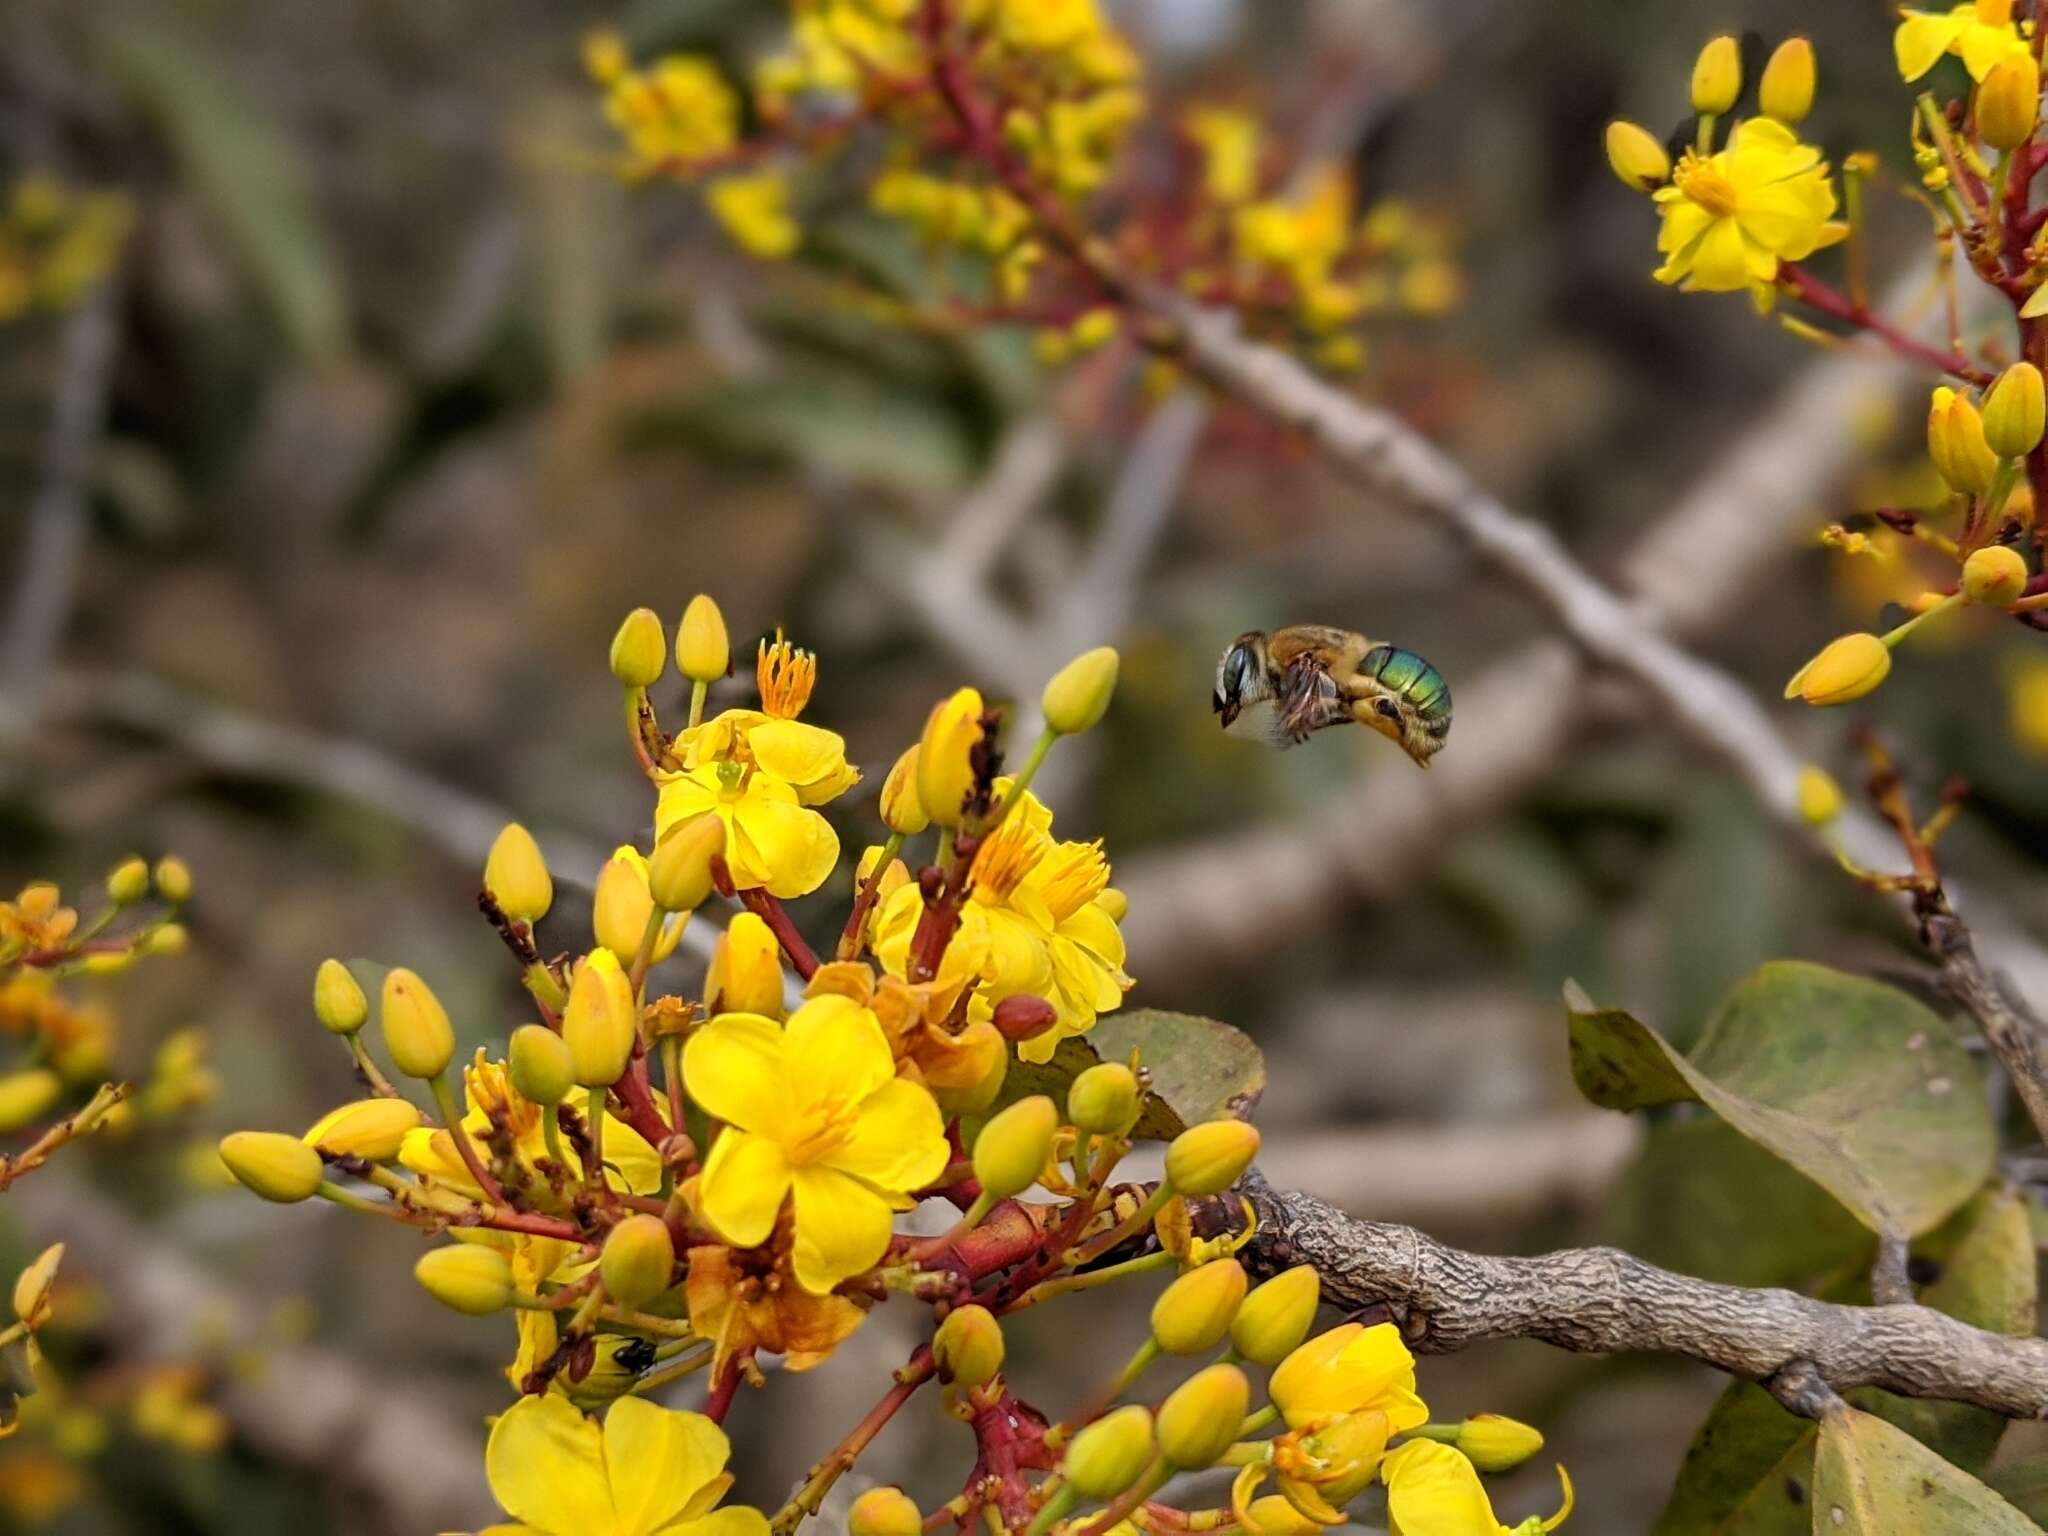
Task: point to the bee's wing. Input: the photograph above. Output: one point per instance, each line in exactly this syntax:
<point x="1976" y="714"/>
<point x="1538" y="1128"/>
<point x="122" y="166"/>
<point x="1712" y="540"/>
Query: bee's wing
<point x="1309" y="700"/>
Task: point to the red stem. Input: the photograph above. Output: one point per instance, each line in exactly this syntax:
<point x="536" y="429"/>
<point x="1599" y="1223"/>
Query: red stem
<point x="772" y="912"/>
<point x="636" y="1107"/>
<point x="1828" y="300"/>
<point x="719" y="1403"/>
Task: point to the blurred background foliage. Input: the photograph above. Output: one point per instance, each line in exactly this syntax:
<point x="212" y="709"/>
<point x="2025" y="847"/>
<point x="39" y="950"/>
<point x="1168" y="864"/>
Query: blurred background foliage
<point x="406" y="402"/>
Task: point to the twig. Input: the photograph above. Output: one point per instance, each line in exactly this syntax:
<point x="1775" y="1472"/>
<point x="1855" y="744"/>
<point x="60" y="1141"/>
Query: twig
<point x="82" y="1121"/>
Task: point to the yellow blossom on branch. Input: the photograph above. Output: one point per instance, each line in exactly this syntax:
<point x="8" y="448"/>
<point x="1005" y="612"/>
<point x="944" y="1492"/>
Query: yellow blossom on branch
<point x="754" y="210"/>
<point x="432" y="1154"/>
<point x="1433" y="1490"/>
<point x="1979" y="33"/>
<point x="1732" y="217"/>
<point x="773" y="841"/>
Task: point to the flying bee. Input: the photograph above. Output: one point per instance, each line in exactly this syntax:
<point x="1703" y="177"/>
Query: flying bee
<point x="1286" y="686"/>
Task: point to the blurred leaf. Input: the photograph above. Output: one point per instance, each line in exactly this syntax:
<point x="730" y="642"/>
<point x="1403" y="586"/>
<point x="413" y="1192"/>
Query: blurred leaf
<point x="1201" y="1069"/>
<point x="1719" y="905"/>
<point x="248" y="174"/>
<point x="1853" y="1083"/>
<point x="1745" y="1473"/>
<point x="2024" y="1485"/>
<point x="1870" y="1479"/>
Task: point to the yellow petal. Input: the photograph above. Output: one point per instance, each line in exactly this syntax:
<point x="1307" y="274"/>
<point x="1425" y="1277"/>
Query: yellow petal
<point x="683" y="796"/>
<point x="1432" y="1488"/>
<point x="899" y="1141"/>
<point x="733" y="1067"/>
<point x="545" y="1462"/>
<point x="838" y="1051"/>
<point x="802" y="755"/>
<point x="737" y="1520"/>
<point x="656" y="1459"/>
<point x="1920" y="42"/>
<point x="1983" y="47"/>
<point x="842" y="1228"/>
<point x="630" y="1156"/>
<point x="742" y="1186"/>
<point x="795" y="848"/>
<point x="1721" y="264"/>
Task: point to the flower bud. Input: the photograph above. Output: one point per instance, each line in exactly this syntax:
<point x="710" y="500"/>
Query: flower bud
<point x="337" y="1001"/>
<point x="1274" y="1516"/>
<point x="472" y="1278"/>
<point x="745" y="975"/>
<point x="702" y="650"/>
<point x="1277" y="1315"/>
<point x="679" y="872"/>
<point x="372" y="1129"/>
<point x="639" y="1257"/>
<point x="902" y="807"/>
<point x="1819" y="796"/>
<point x="1207" y="1159"/>
<point x="129" y="882"/>
<point x="1845" y="670"/>
<point x="173" y="880"/>
<point x="1011" y="1150"/>
<point x="1493" y="1443"/>
<point x="168" y="939"/>
<point x="277" y="1167"/>
<point x="621" y="906"/>
<point x="2009" y="100"/>
<point x="1786" y="90"/>
<point x="1636" y="156"/>
<point x="417" y="1034"/>
<point x="1955" y="441"/>
<point x="1114" y="902"/>
<point x="639" y="649"/>
<point x="1079" y="693"/>
<point x="1349" y="1449"/>
<point x="2015" y="410"/>
<point x="542" y="1069"/>
<point x="884" y="1512"/>
<point x="1193" y="1314"/>
<point x="1996" y="574"/>
<point x="32" y="1287"/>
<point x="1024" y="1016"/>
<point x="25" y="1097"/>
<point x="1104" y="1099"/>
<point x="1717" y="76"/>
<point x="1199" y="1419"/>
<point x="516" y="876"/>
<point x="969" y="1346"/>
<point x="599" y="1022"/>
<point x="974" y="1070"/>
<point x="945" y="766"/>
<point x="1111" y="1454"/>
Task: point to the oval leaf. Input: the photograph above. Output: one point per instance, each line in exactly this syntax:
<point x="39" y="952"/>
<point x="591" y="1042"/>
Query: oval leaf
<point x="1870" y="1479"/>
<point x="1202" y="1069"/>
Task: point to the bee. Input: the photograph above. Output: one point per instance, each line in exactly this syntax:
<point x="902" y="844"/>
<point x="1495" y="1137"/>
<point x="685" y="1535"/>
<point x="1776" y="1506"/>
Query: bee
<point x="1286" y="686"/>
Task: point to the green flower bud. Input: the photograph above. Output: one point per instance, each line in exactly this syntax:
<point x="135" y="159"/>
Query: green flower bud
<point x="1079" y="692"/>
<point x="25" y="1097"/>
<point x="1786" y="90"/>
<point x="173" y="880"/>
<point x="639" y="649"/>
<point x="884" y="1512"/>
<point x="277" y="1167"/>
<point x="1717" y="76"/>
<point x="542" y="1069"/>
<point x="1011" y="1150"/>
<point x="2015" y="411"/>
<point x="1104" y="1099"/>
<point x="337" y="1000"/>
<point x="517" y="876"/>
<point x="372" y="1129"/>
<point x="1111" y="1454"/>
<point x="1193" y="1314"/>
<point x="600" y="1021"/>
<point x="1277" y="1315"/>
<point x="168" y="939"/>
<point x="417" y="1034"/>
<point x="129" y="882"/>
<point x="1207" y="1159"/>
<point x="1494" y="1443"/>
<point x="1995" y="574"/>
<point x="679" y="873"/>
<point x="702" y="649"/>
<point x="969" y="1346"/>
<point x="638" y="1258"/>
<point x="472" y="1278"/>
<point x="1199" y="1420"/>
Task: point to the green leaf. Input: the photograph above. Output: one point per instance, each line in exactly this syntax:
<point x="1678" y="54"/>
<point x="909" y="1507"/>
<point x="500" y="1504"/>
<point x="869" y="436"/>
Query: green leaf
<point x="1745" y="1473"/>
<point x="1853" y="1083"/>
<point x="1201" y="1069"/>
<point x="1870" y="1479"/>
<point x="2024" y="1485"/>
<point x="246" y="172"/>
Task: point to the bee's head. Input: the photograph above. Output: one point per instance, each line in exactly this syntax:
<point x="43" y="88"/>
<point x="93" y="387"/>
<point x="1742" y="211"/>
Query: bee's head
<point x="1241" y="676"/>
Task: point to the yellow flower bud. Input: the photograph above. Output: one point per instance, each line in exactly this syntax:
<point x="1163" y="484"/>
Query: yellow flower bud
<point x="902" y="807"/>
<point x="1104" y="1099"/>
<point x="1010" y="1152"/>
<point x="25" y="1097"/>
<point x="277" y="1167"/>
<point x="1636" y="156"/>
<point x="599" y="1022"/>
<point x="745" y="975"/>
<point x="32" y="1287"/>
<point x="2015" y="408"/>
<point x="639" y="649"/>
<point x="1786" y="90"/>
<point x="1277" y="1315"/>
<point x="169" y="939"/>
<point x="976" y="1066"/>
<point x="945" y="753"/>
<point x="517" y="876"/>
<point x="2009" y="100"/>
<point x="621" y="906"/>
<point x="337" y="1000"/>
<point x="472" y="1278"/>
<point x="1114" y="902"/>
<point x="638" y="1259"/>
<point x="1207" y="1159"/>
<point x="1717" y="76"/>
<point x="1845" y="670"/>
<point x="542" y="1069"/>
<point x="702" y="650"/>
<point x="173" y="880"/>
<point x="372" y="1129"/>
<point x="1819" y="796"/>
<point x="417" y="1034"/>
<point x="1955" y="441"/>
<point x="1193" y="1314"/>
<point x="1494" y="1443"/>
<point x="129" y="882"/>
<point x="1079" y="693"/>
<point x="1199" y="1419"/>
<point x="969" y="1346"/>
<point x="1274" y="1516"/>
<point x="679" y="872"/>
<point x="884" y="1512"/>
<point x="1996" y="574"/>
<point x="1109" y="1455"/>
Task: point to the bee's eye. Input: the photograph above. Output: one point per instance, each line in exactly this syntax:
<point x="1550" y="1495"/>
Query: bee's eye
<point x="1237" y="667"/>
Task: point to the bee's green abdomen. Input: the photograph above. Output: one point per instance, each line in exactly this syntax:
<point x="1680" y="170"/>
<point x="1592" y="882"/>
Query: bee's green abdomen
<point x="1414" y="680"/>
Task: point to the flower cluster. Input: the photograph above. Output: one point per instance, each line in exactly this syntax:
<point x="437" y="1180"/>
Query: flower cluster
<point x="1001" y="140"/>
<point x="655" y="1184"/>
<point x="55" y="244"/>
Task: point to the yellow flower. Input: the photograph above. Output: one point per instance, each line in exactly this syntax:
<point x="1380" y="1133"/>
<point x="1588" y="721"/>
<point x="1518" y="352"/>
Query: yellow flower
<point x="754" y="209"/>
<point x="1349" y="1369"/>
<point x="2026" y="707"/>
<point x="742" y="1310"/>
<point x="1730" y="218"/>
<point x="772" y="838"/>
<point x="679" y="110"/>
<point x="815" y="1108"/>
<point x="1229" y="142"/>
<point x="1979" y="34"/>
<point x="646" y="1470"/>
<point x="1048" y="26"/>
<point x="1433" y="1490"/>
